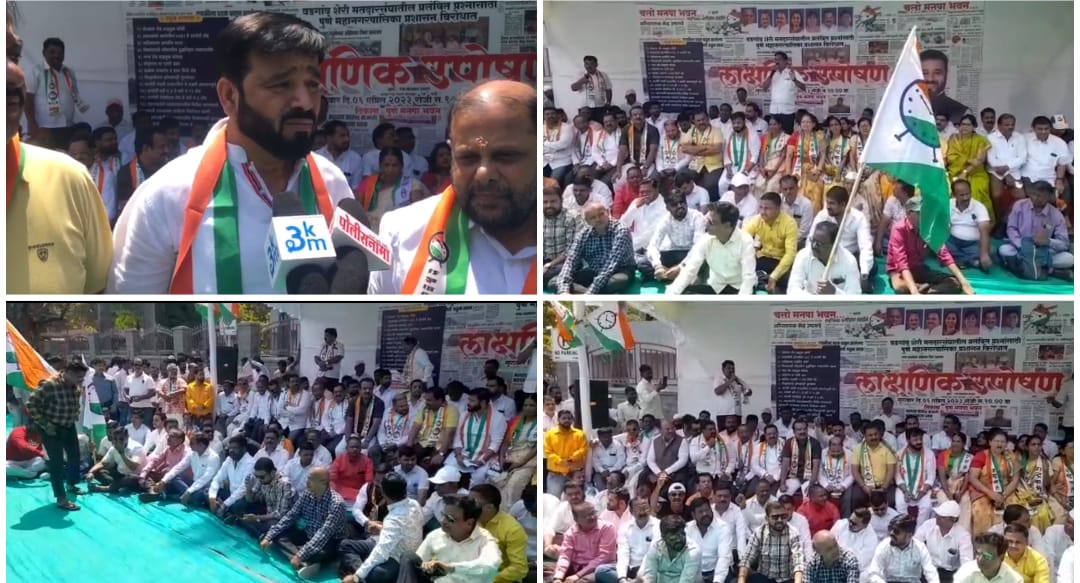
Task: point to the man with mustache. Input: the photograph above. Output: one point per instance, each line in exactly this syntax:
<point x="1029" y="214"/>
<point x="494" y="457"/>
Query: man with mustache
<point x="270" y="89"/>
<point x="478" y="235"/>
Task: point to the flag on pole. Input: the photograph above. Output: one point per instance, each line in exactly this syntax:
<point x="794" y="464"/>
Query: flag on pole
<point x="93" y="416"/>
<point x="25" y="367"/>
<point x="226" y="313"/>
<point x="904" y="143"/>
<point x="565" y="324"/>
<point x="612" y="328"/>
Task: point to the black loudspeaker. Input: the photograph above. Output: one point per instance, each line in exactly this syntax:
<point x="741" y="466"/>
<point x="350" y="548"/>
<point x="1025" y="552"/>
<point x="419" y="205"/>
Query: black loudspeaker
<point x="227" y="363"/>
<point x="600" y="403"/>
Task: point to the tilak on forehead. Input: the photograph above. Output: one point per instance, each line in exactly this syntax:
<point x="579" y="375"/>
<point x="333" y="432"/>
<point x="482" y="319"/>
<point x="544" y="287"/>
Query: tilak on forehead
<point x="481" y="142"/>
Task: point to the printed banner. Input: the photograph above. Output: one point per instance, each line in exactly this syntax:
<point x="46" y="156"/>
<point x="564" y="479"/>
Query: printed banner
<point x="402" y="63"/>
<point x="990" y="365"/>
<point x="844" y="51"/>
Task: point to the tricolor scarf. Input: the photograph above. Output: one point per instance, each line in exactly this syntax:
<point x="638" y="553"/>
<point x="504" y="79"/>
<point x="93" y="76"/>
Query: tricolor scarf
<point x="553" y="134"/>
<point x="736" y="152"/>
<point x="16" y="161"/>
<point x="719" y="456"/>
<point x="670" y="152"/>
<point x="362" y="417"/>
<point x="807" y="460"/>
<point x="643" y="150"/>
<point x="371" y="185"/>
<point x="52" y="90"/>
<point x="431" y="426"/>
<point x="910" y="472"/>
<point x="521" y="433"/>
<point x="104" y="169"/>
<point x="137" y="174"/>
<point x="617" y="134"/>
<point x="476" y="440"/>
<point x="1035" y="479"/>
<point x="958" y="466"/>
<point x="1000" y="471"/>
<point x="864" y="465"/>
<point x="744" y="453"/>
<point x="441" y="265"/>
<point x="773" y="148"/>
<point x="806" y="153"/>
<point x="835" y="469"/>
<point x="585" y="144"/>
<point x="214" y="192"/>
<point x="395" y="425"/>
<point x="764" y="451"/>
<point x="1067" y="480"/>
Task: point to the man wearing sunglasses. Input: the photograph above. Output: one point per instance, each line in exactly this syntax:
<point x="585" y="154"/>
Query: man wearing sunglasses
<point x="808" y="275"/>
<point x="989" y="555"/>
<point x="459" y="552"/>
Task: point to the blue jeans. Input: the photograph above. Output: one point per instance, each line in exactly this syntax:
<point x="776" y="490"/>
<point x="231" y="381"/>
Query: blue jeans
<point x="555" y="483"/>
<point x="966" y="253"/>
<point x="123" y="414"/>
<point x="176" y="487"/>
<point x="608" y="574"/>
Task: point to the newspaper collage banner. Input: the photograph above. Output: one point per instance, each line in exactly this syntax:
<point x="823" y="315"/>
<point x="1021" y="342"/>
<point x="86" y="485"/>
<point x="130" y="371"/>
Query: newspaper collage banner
<point x="475" y="333"/>
<point x="698" y="53"/>
<point x="402" y="63"/>
<point x="991" y="365"/>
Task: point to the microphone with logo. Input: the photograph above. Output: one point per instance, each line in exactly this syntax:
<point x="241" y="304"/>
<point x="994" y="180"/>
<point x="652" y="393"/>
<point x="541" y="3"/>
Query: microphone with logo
<point x="359" y="249"/>
<point x="298" y="250"/>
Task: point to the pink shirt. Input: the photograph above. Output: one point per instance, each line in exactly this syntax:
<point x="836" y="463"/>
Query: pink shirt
<point x="907" y="249"/>
<point x="586" y="550"/>
<point x="166" y="460"/>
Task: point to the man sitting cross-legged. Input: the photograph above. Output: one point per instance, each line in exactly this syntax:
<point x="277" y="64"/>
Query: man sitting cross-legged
<point x="402" y="530"/>
<point x="119" y="470"/>
<point x="313" y="528"/>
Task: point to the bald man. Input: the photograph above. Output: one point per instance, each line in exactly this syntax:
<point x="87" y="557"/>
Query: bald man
<point x="313" y="528"/>
<point x="600" y="259"/>
<point x="831" y="562"/>
<point x="58" y="236"/>
<point x="478" y="235"/>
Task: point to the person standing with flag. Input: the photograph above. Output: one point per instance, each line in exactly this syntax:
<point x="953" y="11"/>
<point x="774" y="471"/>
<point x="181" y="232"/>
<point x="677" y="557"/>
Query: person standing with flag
<point x="54" y="410"/>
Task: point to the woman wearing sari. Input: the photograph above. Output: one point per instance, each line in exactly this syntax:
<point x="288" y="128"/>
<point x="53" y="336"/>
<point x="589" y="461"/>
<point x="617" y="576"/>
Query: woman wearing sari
<point x="965" y="159"/>
<point x="1034" y="493"/>
<point x="771" y="162"/>
<point x="389" y="189"/>
<point x="1061" y="482"/>
<point x="870" y="187"/>
<point x="437" y="178"/>
<point x="839" y="152"/>
<point x="806" y="161"/>
<point x="518" y="453"/>
<point x="993" y="478"/>
<point x="953" y="465"/>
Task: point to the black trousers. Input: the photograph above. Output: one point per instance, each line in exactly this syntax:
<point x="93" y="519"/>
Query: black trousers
<point x="705" y="289"/>
<point x="353" y="554"/>
<point x="295" y="538"/>
<point x="64" y="443"/>
<point x="768" y="264"/>
<point x="410" y="571"/>
<point x="945" y="576"/>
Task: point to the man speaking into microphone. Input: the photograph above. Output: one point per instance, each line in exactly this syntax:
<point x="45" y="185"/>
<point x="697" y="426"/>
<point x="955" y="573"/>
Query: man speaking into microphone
<point x="199" y="225"/>
<point x="478" y="235"/>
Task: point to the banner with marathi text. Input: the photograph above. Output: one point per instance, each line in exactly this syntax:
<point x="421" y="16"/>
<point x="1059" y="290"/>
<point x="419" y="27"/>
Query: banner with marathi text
<point x="700" y="53"/>
<point x="992" y="365"/>
<point x="402" y="63"/>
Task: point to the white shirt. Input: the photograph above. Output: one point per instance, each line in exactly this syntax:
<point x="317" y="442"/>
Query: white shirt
<point x="668" y="157"/>
<point x="477" y="558"/>
<point x="802" y="526"/>
<point x="280" y="456"/>
<point x="632" y="544"/>
<point x="782" y="91"/>
<point x="890" y="421"/>
<point x="894" y="209"/>
<point x="154" y="441"/>
<point x="598" y="192"/>
<point x="421" y="368"/>
<point x="147" y="235"/>
<point x="635" y="454"/>
<point x="855" y="237"/>
<point x="642" y="220"/>
<point x="970" y="573"/>
<point x="140" y="390"/>
<point x="259" y="406"/>
<point x="707" y="458"/>
<point x="626" y="411"/>
<point x="730" y="264"/>
<point x="964" y="225"/>
<point x="802" y="210"/>
<point x="754" y="512"/>
<point x="402" y="532"/>
<point x="349" y="162"/>
<point x="649" y="398"/>
<point x="940" y="441"/>
<point x="760" y="126"/>
<point x="902" y="565"/>
<point x="948" y="551"/>
<point x="370" y="164"/>
<point x="1011" y="152"/>
<point x="492" y="269"/>
<point x="203" y="468"/>
<point x="748" y="206"/>
<point x="298" y="474"/>
<point x="862" y="544"/>
<point x="227" y="405"/>
<point x="134" y="451"/>
<point x="723" y="126"/>
<point x="1065" y="568"/>
<point x="559" y="146"/>
<point x="735" y="519"/>
<point x="807" y="270"/>
<point x="1044" y="157"/>
<point x="139" y="434"/>
<point x="697" y="199"/>
<point x="880" y="524"/>
<point x="107" y="187"/>
<point x="766" y="459"/>
<point x="715" y="545"/>
<point x="680" y="462"/>
<point x="750" y="156"/>
<point x="416" y="481"/>
<point x="608" y="459"/>
<point x="37" y="84"/>
<point x="295" y="409"/>
<point x="496" y="431"/>
<point x="606" y="147"/>
<point x="234" y="473"/>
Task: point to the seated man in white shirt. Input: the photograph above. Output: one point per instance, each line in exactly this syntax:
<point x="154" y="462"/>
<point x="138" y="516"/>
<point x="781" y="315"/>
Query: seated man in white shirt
<point x="492" y="126"/>
<point x="856" y="237"/>
<point x="118" y="471"/>
<point x="673" y="237"/>
<point x="900" y="558"/>
<point x="969" y="229"/>
<point x="948" y="542"/>
<point x="808" y="270"/>
<point x="641" y="219"/>
<point x="1005" y="162"/>
<point x="1048" y="157"/>
<point x="798" y="206"/>
<point x="697" y="197"/>
<point x="461" y="548"/>
<point x="583" y="189"/>
<point x="989" y="564"/>
<point x="375" y="559"/>
<point x="740" y="196"/>
<point x="727" y="251"/>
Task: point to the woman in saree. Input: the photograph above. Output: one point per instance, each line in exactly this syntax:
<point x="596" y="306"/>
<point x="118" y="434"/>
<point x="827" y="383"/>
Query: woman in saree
<point x="518" y="453"/>
<point x="965" y="159"/>
<point x="1061" y="482"/>
<point x="870" y="186"/>
<point x="992" y="479"/>
<point x="839" y="152"/>
<point x="1034" y="490"/>
<point x="437" y="178"/>
<point x="389" y="189"/>
<point x="771" y="162"/>
<point x="953" y="465"/>
<point x="806" y="161"/>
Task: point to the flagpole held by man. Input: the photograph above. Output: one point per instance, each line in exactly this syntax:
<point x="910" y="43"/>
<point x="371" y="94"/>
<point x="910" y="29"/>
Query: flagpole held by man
<point x="903" y="143"/>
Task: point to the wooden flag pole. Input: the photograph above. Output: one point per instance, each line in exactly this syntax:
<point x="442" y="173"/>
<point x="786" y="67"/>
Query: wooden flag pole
<point x="843" y="219"/>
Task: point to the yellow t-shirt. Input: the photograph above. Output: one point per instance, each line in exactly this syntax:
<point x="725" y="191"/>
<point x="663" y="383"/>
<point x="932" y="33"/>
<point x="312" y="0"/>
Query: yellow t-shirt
<point x="880" y="459"/>
<point x="711" y="137"/>
<point x="428" y="437"/>
<point x="1032" y="566"/>
<point x="58" y="235"/>
<point x="780" y="240"/>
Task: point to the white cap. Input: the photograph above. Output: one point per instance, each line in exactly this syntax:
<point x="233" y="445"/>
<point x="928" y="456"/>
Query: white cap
<point x="740" y="179"/>
<point x="446" y="475"/>
<point x="948" y="509"/>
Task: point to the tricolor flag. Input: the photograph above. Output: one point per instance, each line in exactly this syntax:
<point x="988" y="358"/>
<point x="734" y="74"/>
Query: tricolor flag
<point x="25" y="367"/>
<point x="93" y="416"/>
<point x="565" y="324"/>
<point x="226" y="313"/>
<point x="904" y="144"/>
<point x="612" y="328"/>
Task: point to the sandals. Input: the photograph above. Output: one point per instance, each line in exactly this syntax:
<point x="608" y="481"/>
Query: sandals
<point x="67" y="505"/>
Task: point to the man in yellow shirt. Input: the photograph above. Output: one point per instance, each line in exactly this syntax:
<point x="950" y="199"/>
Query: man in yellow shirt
<point x="565" y="448"/>
<point x="1026" y="561"/>
<point x="58" y="237"/>
<point x="199" y="398"/>
<point x="433" y="430"/>
<point x="873" y="466"/>
<point x="705" y="146"/>
<point x="506" y="531"/>
<point x="776" y="237"/>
